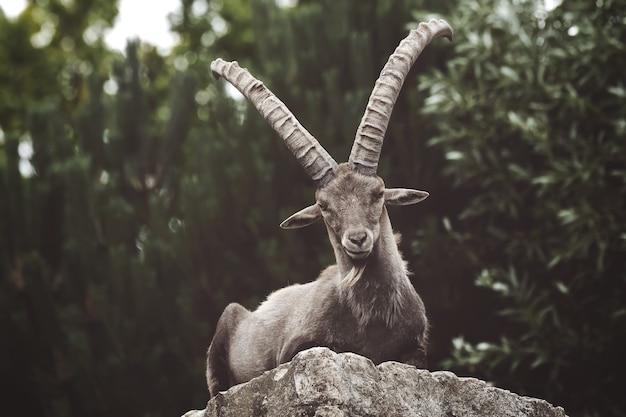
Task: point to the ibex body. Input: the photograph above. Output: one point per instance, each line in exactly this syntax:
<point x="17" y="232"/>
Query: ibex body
<point x="363" y="304"/>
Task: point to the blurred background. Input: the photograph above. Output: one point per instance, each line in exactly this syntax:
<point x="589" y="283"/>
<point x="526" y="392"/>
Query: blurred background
<point x="138" y="196"/>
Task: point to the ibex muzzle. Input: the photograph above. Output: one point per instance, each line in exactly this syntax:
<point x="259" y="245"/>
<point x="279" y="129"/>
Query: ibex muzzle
<point x="365" y="303"/>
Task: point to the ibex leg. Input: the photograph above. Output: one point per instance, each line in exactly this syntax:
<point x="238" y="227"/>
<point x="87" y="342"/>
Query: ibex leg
<point x="218" y="374"/>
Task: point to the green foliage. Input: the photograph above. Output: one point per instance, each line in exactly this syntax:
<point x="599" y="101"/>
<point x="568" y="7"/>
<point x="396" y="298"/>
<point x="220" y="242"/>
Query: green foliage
<point x="530" y="115"/>
<point x="48" y="52"/>
<point x="91" y="291"/>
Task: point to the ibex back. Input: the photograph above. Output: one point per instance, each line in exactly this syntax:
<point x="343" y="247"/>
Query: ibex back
<point x="365" y="303"/>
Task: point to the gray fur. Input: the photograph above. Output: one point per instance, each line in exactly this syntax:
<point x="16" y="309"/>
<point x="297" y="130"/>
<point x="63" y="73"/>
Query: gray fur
<point x="364" y="304"/>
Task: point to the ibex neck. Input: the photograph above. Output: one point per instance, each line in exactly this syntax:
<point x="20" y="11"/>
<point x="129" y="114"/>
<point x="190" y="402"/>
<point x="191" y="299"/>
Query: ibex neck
<point x="377" y="291"/>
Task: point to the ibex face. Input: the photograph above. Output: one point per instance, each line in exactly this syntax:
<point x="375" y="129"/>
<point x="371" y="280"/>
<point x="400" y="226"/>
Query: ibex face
<point x="352" y="205"/>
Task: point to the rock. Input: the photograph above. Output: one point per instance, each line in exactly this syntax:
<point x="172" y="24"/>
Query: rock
<point x="321" y="383"/>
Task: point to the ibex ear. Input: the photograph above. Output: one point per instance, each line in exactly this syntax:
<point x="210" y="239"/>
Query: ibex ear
<point x="303" y="218"/>
<point x="404" y="196"/>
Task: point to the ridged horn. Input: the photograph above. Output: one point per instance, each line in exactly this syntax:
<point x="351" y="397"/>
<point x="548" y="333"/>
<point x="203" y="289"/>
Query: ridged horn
<point x="312" y="156"/>
<point x="371" y="132"/>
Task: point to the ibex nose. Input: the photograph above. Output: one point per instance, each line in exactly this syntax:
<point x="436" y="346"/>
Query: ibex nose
<point x="358" y="238"/>
<point x="357" y="243"/>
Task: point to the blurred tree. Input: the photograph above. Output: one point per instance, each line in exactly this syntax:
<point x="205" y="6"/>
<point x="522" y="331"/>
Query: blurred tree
<point x="47" y="53"/>
<point x="42" y="61"/>
<point x="530" y="115"/>
<point x="89" y="252"/>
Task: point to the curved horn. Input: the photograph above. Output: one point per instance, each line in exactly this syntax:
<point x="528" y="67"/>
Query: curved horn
<point x="312" y="156"/>
<point x="371" y="132"/>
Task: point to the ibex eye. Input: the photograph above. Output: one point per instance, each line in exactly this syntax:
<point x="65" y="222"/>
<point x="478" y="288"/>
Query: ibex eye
<point x="323" y="206"/>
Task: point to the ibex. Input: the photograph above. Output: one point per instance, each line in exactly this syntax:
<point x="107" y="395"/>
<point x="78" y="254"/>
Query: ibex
<point x="365" y="303"/>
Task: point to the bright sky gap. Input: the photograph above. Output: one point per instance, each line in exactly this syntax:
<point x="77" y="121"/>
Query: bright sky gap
<point x="143" y="19"/>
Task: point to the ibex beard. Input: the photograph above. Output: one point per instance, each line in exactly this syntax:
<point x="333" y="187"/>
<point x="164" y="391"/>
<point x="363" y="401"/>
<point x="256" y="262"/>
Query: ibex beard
<point x="365" y="303"/>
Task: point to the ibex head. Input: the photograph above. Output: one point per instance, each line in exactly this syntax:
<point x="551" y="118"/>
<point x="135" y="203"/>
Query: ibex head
<point x="351" y="205"/>
<point x="350" y="197"/>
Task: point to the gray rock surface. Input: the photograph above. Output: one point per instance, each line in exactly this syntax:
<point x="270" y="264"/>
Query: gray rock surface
<point x="321" y="383"/>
